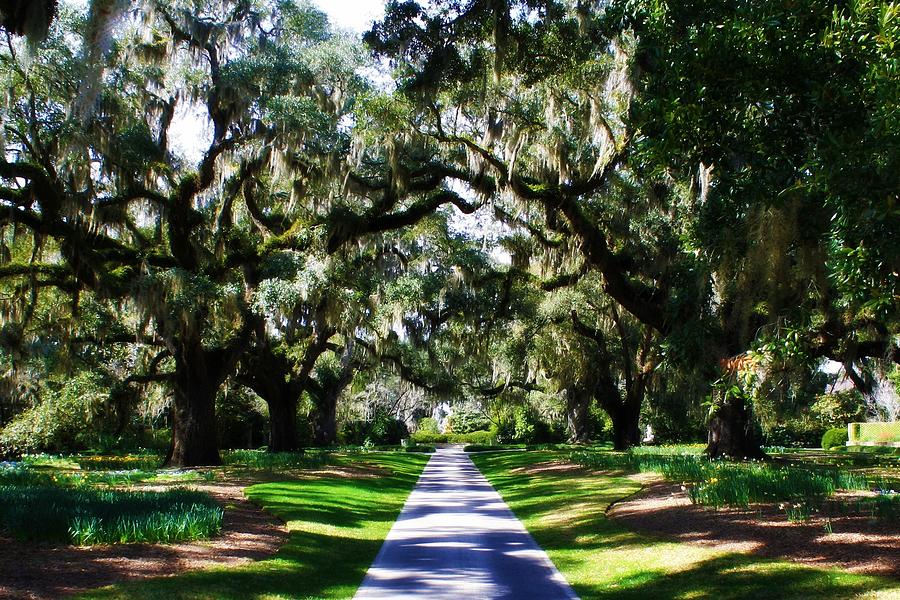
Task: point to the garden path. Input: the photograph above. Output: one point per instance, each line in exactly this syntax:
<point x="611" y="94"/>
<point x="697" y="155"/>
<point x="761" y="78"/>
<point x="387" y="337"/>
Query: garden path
<point x="456" y="538"/>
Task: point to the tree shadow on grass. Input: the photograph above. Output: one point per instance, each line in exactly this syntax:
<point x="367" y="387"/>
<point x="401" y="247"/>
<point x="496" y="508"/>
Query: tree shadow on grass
<point x="337" y="527"/>
<point x="566" y="515"/>
<point x="734" y="577"/>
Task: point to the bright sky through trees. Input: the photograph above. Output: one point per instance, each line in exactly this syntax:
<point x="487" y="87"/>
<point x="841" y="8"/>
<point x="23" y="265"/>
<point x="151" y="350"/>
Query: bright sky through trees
<point x="355" y="15"/>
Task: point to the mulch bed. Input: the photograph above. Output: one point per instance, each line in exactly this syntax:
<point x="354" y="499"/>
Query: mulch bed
<point x="35" y="571"/>
<point x="856" y="543"/>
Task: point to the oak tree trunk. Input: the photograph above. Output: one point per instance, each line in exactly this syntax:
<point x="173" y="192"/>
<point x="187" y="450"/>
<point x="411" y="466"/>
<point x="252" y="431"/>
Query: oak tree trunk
<point x="282" y="423"/>
<point x="578" y="416"/>
<point x="732" y="433"/>
<point x="193" y="423"/>
<point x="325" y="427"/>
<point x="626" y="429"/>
<point x="198" y="374"/>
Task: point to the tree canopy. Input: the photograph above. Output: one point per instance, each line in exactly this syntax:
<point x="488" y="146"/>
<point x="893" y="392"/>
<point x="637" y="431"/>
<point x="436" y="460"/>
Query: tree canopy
<point x="582" y="205"/>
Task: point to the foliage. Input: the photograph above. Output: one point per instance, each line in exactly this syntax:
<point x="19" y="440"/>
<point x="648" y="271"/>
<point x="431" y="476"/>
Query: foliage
<point x="260" y="459"/>
<point x="838" y="409"/>
<point x="84" y="516"/>
<point x="467" y="418"/>
<point x="427" y="425"/>
<point x="240" y="419"/>
<point x="835" y="438"/>
<point x="382" y="429"/>
<point x="473" y="437"/>
<point x="874" y="432"/>
<point x="67" y="417"/>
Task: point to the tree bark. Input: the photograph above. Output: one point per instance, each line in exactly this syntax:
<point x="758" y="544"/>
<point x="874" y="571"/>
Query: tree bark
<point x="282" y="423"/>
<point x="731" y="432"/>
<point x="325" y="428"/>
<point x="196" y="382"/>
<point x="625" y="420"/>
<point x="577" y="416"/>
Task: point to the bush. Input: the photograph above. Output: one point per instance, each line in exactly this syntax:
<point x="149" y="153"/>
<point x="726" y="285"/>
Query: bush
<point x="88" y="516"/>
<point x="467" y="418"/>
<point x="793" y="435"/>
<point x="64" y="420"/>
<point x="420" y="448"/>
<point x="428" y="425"/>
<point x="721" y="483"/>
<point x="838" y="409"/>
<point x="486" y="438"/>
<point x="427" y="437"/>
<point x="835" y="437"/>
<point x="382" y="430"/>
<point x="260" y="459"/>
<point x="241" y="419"/>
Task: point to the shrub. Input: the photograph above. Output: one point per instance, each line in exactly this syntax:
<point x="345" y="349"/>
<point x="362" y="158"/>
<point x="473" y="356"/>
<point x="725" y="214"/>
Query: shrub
<point x="428" y="425"/>
<point x="87" y="516"/>
<point x="793" y="435"/>
<point x="835" y="437"/>
<point x="427" y="437"/>
<point x="382" y="430"/>
<point x="486" y="438"/>
<point x="62" y="421"/>
<point x="260" y="459"/>
<point x="467" y="418"/>
<point x="493" y="448"/>
<point x="241" y="420"/>
<point x="420" y="448"/>
<point x="839" y="408"/>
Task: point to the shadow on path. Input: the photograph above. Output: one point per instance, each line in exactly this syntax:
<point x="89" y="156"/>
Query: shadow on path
<point x="456" y="538"/>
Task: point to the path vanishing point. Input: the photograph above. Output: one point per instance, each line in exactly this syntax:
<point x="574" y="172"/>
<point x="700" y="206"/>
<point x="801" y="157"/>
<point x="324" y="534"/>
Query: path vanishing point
<point x="456" y="539"/>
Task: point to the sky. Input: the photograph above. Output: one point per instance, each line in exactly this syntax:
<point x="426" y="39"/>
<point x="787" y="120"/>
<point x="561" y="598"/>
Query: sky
<point x="355" y="15"/>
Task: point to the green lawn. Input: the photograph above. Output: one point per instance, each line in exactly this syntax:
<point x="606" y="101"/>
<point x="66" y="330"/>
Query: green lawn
<point x="565" y="514"/>
<point x="337" y="525"/>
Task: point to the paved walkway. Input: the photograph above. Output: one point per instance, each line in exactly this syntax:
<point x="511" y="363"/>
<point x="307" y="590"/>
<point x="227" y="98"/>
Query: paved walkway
<point x="457" y="540"/>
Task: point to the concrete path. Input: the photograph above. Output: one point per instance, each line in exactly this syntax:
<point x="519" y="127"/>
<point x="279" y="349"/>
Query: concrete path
<point x="457" y="540"/>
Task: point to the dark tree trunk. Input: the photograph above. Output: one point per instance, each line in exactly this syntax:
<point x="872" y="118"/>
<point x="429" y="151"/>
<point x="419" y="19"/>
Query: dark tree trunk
<point x="193" y="418"/>
<point x="732" y="433"/>
<point x="325" y="427"/>
<point x="199" y="372"/>
<point x="626" y="430"/>
<point x="282" y="423"/>
<point x="578" y="416"/>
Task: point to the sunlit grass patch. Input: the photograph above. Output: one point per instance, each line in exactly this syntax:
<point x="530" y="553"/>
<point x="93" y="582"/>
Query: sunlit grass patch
<point x="565" y="512"/>
<point x="336" y="522"/>
<point x="261" y="459"/>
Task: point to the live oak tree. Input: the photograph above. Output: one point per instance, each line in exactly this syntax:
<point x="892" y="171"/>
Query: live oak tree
<point x="132" y="218"/>
<point x="780" y="115"/>
<point x="545" y="105"/>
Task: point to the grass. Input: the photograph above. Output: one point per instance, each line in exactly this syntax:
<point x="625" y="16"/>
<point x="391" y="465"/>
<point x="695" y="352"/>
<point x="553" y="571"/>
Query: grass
<point x="87" y="516"/>
<point x="565" y="512"/>
<point x="24" y="474"/>
<point x="336" y="524"/>
<point x="261" y="459"/>
<point x="721" y="483"/>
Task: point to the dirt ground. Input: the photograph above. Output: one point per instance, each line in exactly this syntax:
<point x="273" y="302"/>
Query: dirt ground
<point x="854" y="543"/>
<point x="48" y="571"/>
